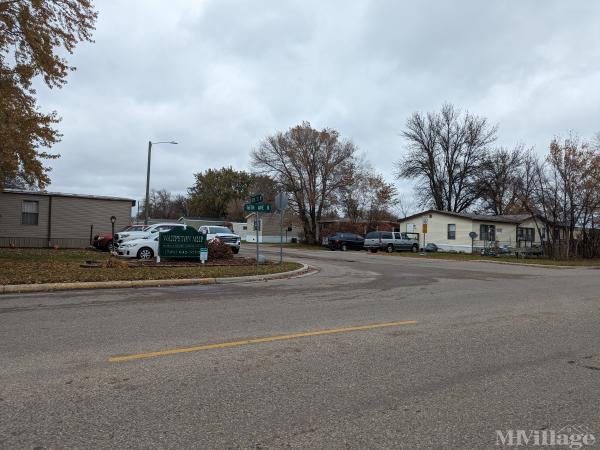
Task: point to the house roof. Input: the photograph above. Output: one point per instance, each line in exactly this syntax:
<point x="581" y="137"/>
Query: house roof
<point x="348" y="220"/>
<point x="64" y="194"/>
<point x="207" y="219"/>
<point x="506" y="218"/>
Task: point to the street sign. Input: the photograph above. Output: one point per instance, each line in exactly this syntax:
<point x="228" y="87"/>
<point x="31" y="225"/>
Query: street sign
<point x="257" y="207"/>
<point x="181" y="243"/>
<point x="281" y="201"/>
<point x="256" y="198"/>
<point x="264" y="207"/>
<point x="425" y="228"/>
<point x="204" y="254"/>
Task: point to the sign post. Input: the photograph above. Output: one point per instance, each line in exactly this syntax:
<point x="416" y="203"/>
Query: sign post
<point x="424" y="234"/>
<point x="257" y="206"/>
<point x="472" y="235"/>
<point x="281" y="202"/>
<point x="257" y="228"/>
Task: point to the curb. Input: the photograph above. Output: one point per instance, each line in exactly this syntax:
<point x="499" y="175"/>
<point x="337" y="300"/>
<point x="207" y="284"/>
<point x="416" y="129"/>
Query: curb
<point x="545" y="266"/>
<point x="507" y="263"/>
<point x="51" y="287"/>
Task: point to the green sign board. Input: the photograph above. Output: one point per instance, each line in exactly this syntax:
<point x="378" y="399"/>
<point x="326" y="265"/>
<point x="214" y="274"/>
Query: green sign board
<point x="259" y="207"/>
<point x="256" y="198"/>
<point x="181" y="243"/>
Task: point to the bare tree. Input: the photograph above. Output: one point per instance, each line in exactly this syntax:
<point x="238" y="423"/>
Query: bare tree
<point x="368" y="197"/>
<point x="565" y="192"/>
<point x="500" y="180"/>
<point x="446" y="153"/>
<point x="311" y="165"/>
<point x="405" y="205"/>
<point x="163" y="205"/>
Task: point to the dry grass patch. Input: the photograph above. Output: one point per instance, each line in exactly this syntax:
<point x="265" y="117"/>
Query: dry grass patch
<point x="33" y="266"/>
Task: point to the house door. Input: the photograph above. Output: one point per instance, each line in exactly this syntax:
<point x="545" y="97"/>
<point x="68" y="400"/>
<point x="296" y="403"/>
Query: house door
<point x="487" y="232"/>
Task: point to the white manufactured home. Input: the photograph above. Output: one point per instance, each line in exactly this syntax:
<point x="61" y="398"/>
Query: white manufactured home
<point x="453" y="231"/>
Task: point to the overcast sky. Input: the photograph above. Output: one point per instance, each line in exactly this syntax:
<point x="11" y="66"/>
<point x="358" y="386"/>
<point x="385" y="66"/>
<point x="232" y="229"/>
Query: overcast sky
<point x="219" y="75"/>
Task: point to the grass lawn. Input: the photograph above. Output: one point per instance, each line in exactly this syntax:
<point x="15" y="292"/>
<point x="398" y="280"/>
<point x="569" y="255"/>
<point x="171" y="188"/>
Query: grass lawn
<point x="511" y="259"/>
<point x="25" y="266"/>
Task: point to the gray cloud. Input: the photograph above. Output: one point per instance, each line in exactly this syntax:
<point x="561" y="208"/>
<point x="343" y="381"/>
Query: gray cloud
<point x="220" y="75"/>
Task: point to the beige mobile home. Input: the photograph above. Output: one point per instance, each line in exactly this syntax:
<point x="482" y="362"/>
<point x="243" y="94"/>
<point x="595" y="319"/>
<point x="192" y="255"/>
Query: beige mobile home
<point x="452" y="231"/>
<point x="270" y="228"/>
<point x="48" y="219"/>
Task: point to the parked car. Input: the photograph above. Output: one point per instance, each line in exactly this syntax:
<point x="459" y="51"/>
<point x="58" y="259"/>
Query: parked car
<point x="390" y="241"/>
<point x="104" y="241"/>
<point x="224" y="234"/>
<point x="146" y="232"/>
<point x="431" y="248"/>
<point x="345" y="241"/>
<point x="144" y="248"/>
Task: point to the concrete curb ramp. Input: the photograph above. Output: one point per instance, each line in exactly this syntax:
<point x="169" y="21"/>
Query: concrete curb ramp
<point x="48" y="287"/>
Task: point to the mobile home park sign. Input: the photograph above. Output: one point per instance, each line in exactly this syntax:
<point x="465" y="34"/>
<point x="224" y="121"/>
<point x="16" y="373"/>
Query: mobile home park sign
<point x="181" y="243"/>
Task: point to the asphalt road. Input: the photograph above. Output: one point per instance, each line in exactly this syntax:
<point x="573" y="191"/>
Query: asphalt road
<point x="479" y="347"/>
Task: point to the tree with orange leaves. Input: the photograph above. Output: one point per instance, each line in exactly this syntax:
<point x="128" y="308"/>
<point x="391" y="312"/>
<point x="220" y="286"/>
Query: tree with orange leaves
<point x="32" y="33"/>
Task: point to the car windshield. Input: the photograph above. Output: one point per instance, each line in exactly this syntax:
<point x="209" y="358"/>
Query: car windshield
<point x="373" y="235"/>
<point x="214" y="230"/>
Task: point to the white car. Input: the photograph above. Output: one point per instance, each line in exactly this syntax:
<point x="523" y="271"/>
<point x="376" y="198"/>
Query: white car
<point x="145" y="248"/>
<point x="150" y="230"/>
<point x="224" y="234"/>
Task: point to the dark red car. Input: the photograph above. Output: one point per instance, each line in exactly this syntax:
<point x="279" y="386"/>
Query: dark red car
<point x="104" y="241"/>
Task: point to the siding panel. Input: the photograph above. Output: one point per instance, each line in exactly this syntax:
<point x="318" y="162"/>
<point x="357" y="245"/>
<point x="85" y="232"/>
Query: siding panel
<point x="72" y="218"/>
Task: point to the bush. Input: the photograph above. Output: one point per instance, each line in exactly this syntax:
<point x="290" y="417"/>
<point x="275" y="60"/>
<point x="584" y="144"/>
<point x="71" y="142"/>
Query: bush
<point x="218" y="250"/>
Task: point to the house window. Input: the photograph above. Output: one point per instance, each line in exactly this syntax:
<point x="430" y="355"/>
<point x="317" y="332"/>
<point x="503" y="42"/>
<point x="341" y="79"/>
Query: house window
<point x="525" y="234"/>
<point x="451" y="231"/>
<point x="29" y="212"/>
<point x="487" y="232"/>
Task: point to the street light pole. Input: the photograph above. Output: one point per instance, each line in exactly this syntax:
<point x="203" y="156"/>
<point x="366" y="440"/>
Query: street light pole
<point x="147" y="202"/>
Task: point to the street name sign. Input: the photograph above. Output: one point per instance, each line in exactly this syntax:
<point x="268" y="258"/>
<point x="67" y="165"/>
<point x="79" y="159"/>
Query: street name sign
<point x="258" y="207"/>
<point x="256" y="198"/>
<point x="181" y="243"/>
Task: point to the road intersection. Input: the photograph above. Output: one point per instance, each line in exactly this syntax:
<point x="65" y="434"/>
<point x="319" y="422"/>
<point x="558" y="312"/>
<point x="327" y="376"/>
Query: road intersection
<point x="372" y="351"/>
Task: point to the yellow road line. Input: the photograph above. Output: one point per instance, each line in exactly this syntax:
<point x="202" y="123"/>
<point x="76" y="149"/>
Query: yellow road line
<point x="258" y="340"/>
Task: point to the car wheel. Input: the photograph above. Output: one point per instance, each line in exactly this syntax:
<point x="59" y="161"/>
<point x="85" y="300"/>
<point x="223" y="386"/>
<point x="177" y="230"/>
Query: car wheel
<point x="145" y="253"/>
<point x="373" y="250"/>
<point x="389" y="248"/>
<point x="110" y="246"/>
<point x="415" y="248"/>
<point x="343" y="247"/>
<point x="235" y="250"/>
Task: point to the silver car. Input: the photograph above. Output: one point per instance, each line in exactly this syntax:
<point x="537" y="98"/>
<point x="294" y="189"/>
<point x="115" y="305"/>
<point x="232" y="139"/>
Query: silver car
<point x="390" y="241"/>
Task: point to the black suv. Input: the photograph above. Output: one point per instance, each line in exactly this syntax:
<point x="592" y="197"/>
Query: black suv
<point x="345" y="241"/>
